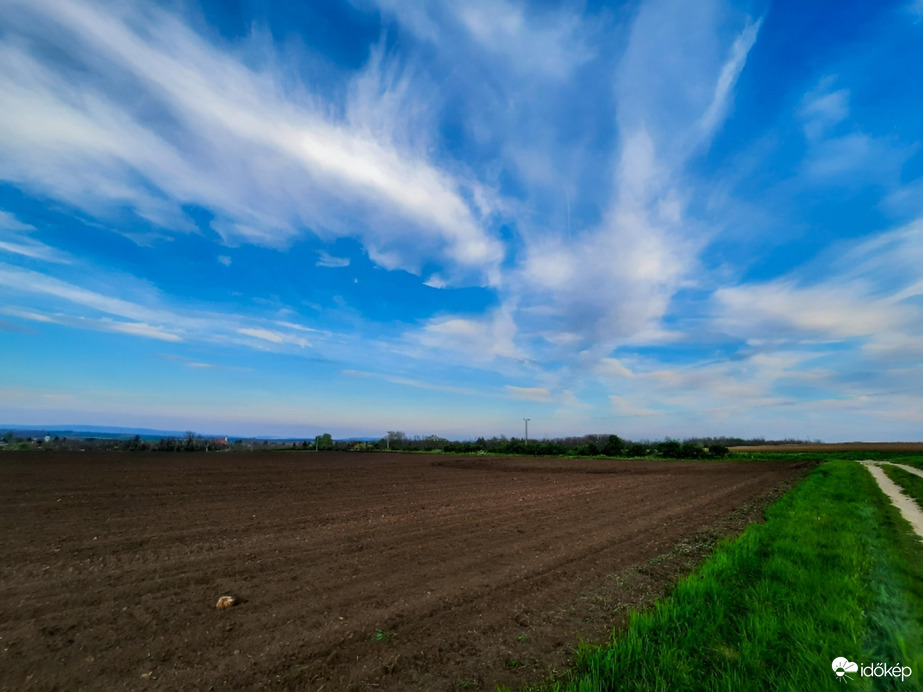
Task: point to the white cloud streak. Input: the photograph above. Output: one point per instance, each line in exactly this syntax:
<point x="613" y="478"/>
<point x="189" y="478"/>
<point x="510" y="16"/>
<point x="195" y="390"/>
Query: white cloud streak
<point x="9" y="222"/>
<point x="274" y="337"/>
<point x="324" y="259"/>
<point x="475" y="340"/>
<point x="614" y="282"/>
<point x="549" y="45"/>
<point x="838" y="152"/>
<point x="229" y="138"/>
<point x="105" y="324"/>
<point x="15" y="239"/>
<point x="418" y="384"/>
<point x="717" y="109"/>
<point x="823" y="109"/>
<point x="152" y="321"/>
<point x="828" y="311"/>
<point x="532" y="42"/>
<point x="539" y="394"/>
<point x="863" y="288"/>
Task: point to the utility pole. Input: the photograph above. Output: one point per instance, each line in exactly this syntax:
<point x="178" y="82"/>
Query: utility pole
<point x="526" y="421"/>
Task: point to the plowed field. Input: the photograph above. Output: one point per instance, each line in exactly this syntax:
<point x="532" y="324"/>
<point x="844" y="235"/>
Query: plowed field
<point x="355" y="571"/>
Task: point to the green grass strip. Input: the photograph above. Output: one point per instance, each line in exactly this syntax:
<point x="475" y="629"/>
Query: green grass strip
<point x="915" y="460"/>
<point x="833" y="572"/>
<point x="910" y="483"/>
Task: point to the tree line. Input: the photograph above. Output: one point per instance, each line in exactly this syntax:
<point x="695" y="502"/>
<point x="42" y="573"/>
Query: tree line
<point x="584" y="445"/>
<point x="576" y="446"/>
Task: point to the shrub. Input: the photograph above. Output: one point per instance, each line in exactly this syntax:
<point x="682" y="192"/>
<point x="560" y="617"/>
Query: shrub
<point x="615" y="446"/>
<point x="690" y="450"/>
<point x="671" y="449"/>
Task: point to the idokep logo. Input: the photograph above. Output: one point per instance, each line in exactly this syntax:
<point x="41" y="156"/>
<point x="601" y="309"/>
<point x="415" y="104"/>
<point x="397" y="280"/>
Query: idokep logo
<point x="842" y="666"/>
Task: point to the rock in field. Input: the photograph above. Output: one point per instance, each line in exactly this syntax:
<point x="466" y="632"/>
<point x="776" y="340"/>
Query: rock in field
<point x="226" y="602"/>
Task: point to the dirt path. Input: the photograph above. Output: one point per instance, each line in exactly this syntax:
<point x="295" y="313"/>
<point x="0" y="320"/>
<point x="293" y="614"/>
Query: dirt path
<point x="909" y="509"/>
<point x="356" y="571"/>
<point x="908" y="469"/>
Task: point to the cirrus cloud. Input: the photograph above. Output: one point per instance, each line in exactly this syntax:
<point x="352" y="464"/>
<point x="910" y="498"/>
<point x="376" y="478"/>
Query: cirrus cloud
<point x="267" y="163"/>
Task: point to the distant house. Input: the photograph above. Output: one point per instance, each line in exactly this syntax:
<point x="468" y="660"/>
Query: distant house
<point x="216" y="443"/>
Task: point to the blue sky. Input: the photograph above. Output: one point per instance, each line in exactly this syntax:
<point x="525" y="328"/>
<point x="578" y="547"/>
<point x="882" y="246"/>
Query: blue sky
<point x="649" y="218"/>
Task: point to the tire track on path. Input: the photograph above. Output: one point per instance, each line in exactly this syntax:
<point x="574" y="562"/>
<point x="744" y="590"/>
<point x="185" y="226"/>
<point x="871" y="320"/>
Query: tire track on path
<point x="909" y="509"/>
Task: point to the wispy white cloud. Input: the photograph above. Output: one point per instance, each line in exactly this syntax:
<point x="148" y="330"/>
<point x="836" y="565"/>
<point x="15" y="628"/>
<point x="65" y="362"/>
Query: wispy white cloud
<point x="531" y="41"/>
<point x="416" y="17"/>
<point x="198" y="365"/>
<point x="27" y="247"/>
<point x="838" y="151"/>
<point x="711" y="396"/>
<point x="823" y="109"/>
<point x="324" y="259"/>
<point x="145" y="330"/>
<point x="846" y="326"/>
<point x="608" y="284"/>
<point x="718" y="108"/>
<point x="594" y="286"/>
<point x="273" y="336"/>
<point x="860" y="288"/>
<point x="267" y="163"/>
<point x="9" y="222"/>
<point x="436" y="281"/>
<point x="31" y="282"/>
<point x="31" y="315"/>
<point x="88" y="309"/>
<point x="623" y="406"/>
<point x="550" y="44"/>
<point x="418" y="384"/>
<point x="613" y="367"/>
<point x="828" y="311"/>
<point x="682" y="94"/>
<point x="105" y="324"/>
<point x="15" y="239"/>
<point x="540" y="394"/>
<point x="476" y="340"/>
<point x="854" y="159"/>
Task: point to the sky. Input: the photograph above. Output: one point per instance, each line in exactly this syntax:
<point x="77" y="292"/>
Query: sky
<point x="653" y="218"/>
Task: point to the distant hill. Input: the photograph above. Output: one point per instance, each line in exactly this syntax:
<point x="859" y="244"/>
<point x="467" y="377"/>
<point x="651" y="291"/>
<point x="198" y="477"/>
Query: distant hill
<point x="147" y="434"/>
<point x="84" y="431"/>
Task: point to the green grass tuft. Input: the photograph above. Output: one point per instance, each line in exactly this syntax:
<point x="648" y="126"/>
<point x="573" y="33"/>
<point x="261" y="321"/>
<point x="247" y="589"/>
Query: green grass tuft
<point x="383" y="636"/>
<point x="910" y="483"/>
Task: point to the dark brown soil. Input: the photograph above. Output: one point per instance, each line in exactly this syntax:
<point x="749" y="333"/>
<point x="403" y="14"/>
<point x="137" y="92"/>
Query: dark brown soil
<point x="354" y="571"/>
